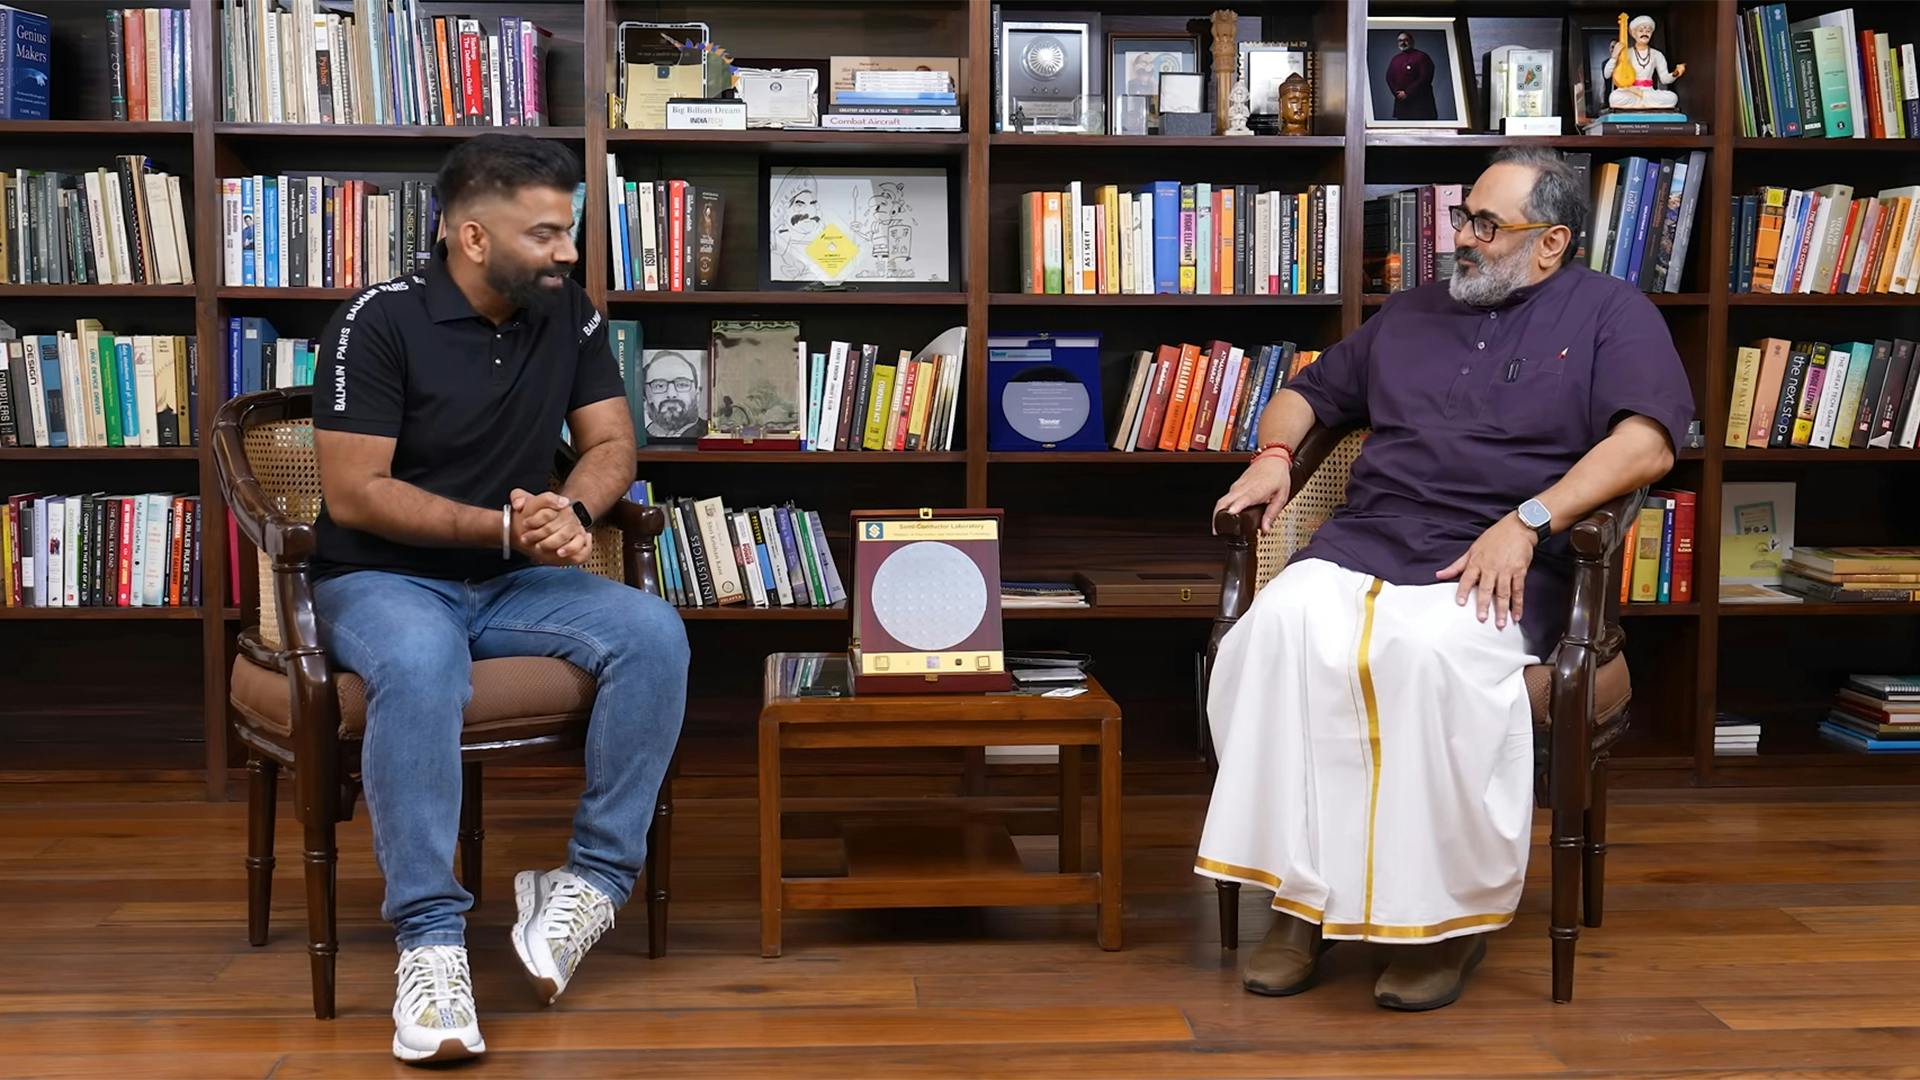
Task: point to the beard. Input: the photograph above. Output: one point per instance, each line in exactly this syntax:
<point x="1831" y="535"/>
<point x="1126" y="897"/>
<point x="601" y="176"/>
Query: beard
<point x="1485" y="282"/>
<point x="528" y="286"/>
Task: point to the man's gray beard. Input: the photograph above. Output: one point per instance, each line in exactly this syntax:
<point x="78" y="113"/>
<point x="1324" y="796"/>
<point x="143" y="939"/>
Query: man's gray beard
<point x="1490" y="283"/>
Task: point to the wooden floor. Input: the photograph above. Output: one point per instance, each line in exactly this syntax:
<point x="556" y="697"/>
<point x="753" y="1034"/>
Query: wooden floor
<point x="1742" y="938"/>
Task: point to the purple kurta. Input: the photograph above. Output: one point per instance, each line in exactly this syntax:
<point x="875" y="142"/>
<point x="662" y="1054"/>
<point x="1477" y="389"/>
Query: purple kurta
<point x="1475" y="410"/>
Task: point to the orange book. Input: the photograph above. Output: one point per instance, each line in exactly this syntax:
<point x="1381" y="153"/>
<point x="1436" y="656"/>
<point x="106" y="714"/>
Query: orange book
<point x="1036" y="242"/>
<point x="1224" y="265"/>
<point x="1766" y="237"/>
<point x="1626" y="562"/>
<point x="1890" y="250"/>
<point x="1208" y="363"/>
<point x="1766" y="393"/>
<point x="1181" y="401"/>
<point x="133" y="34"/>
<point x="448" y="115"/>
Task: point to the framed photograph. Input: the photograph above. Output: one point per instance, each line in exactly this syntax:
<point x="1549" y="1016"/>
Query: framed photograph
<point x="1181" y="92"/>
<point x="752" y="390"/>
<point x="1135" y="61"/>
<point x="1414" y="77"/>
<point x="1044" y="75"/>
<point x="780" y="97"/>
<point x="673" y="385"/>
<point x="1264" y="65"/>
<point x="862" y="227"/>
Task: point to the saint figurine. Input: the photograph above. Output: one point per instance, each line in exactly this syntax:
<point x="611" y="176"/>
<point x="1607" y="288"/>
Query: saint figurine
<point x="1237" y="110"/>
<point x="1296" y="106"/>
<point x="1637" y="88"/>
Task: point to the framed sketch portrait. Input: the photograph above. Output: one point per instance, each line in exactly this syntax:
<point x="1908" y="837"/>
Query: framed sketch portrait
<point x="1135" y="61"/>
<point x="1413" y="73"/>
<point x="1264" y="65"/>
<point x="865" y="227"/>
<point x="673" y="388"/>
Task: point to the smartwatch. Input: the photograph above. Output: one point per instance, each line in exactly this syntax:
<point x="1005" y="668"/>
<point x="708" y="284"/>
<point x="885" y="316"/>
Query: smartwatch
<point x="1534" y="515"/>
<point x="580" y="511"/>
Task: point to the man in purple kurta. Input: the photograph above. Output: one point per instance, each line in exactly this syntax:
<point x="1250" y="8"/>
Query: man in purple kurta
<point x="1410" y="81"/>
<point x="1369" y="711"/>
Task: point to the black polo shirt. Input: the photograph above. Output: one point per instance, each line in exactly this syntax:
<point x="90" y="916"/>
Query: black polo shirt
<point x="475" y="410"/>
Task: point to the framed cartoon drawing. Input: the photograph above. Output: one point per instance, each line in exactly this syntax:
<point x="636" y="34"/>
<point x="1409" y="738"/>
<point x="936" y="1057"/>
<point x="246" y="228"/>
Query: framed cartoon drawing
<point x="858" y="227"/>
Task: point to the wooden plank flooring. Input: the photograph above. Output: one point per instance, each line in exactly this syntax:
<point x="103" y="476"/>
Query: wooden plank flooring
<point x="1742" y="938"/>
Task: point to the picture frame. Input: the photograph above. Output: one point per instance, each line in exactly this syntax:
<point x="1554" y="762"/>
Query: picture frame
<point x="673" y="386"/>
<point x="751" y="391"/>
<point x="1264" y="65"/>
<point x="1044" y="75"/>
<point x="1182" y="92"/>
<point x="1135" y="60"/>
<point x="780" y="97"/>
<point x="1424" y="91"/>
<point x="876" y="226"/>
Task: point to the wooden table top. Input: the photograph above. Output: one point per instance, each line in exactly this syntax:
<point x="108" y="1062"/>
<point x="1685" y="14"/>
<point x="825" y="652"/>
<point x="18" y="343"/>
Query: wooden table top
<point x="782" y="700"/>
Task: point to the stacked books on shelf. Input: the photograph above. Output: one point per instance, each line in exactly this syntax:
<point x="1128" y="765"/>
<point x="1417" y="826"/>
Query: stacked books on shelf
<point x="1181" y="238"/>
<point x="1660" y="569"/>
<point x="1735" y="736"/>
<point x="1824" y="77"/>
<point x="665" y="234"/>
<point x="323" y="232"/>
<point x="1184" y="397"/>
<point x="99" y="388"/>
<point x="1844" y="395"/>
<point x="1642" y="220"/>
<point x="294" y="62"/>
<point x="1853" y="574"/>
<point x="100" y="550"/>
<point x="862" y="402"/>
<point x="258" y="358"/>
<point x="1041" y="594"/>
<point x="150" y="63"/>
<point x="711" y="555"/>
<point x="121" y="226"/>
<point x="1824" y="240"/>
<point x="1406" y="237"/>
<point x="1878" y="714"/>
<point x="885" y="98"/>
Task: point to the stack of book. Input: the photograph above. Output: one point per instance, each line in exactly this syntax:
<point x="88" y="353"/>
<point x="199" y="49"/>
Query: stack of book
<point x="665" y="234"/>
<point x="1879" y="714"/>
<point x="1181" y="238"/>
<point x="1824" y="77"/>
<point x="1184" y="397"/>
<point x="391" y="65"/>
<point x="95" y="388"/>
<point x="101" y="550"/>
<point x="894" y="100"/>
<point x="861" y="402"/>
<point x="713" y="556"/>
<point x="258" y="358"/>
<point x="1735" y="736"/>
<point x="121" y="226"/>
<point x="1407" y="238"/>
<point x="1660" y="569"/>
<point x="323" y="232"/>
<point x="1041" y="594"/>
<point x="1853" y="574"/>
<point x="1642" y="221"/>
<point x="1814" y="394"/>
<point x="150" y="63"/>
<point x="1824" y="240"/>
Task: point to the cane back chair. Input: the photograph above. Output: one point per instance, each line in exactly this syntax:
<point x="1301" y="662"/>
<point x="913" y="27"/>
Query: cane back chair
<point x="1579" y="695"/>
<point x="293" y="710"/>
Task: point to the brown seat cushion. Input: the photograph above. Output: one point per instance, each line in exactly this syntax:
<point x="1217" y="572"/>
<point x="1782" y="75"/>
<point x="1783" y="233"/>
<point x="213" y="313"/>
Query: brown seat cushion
<point x="1612" y="689"/>
<point x="518" y="697"/>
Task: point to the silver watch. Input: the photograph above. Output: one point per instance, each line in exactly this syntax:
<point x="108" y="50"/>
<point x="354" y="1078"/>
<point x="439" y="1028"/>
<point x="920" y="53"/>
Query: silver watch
<point x="1534" y="515"/>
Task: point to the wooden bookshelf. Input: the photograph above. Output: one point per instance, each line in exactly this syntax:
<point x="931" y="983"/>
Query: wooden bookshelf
<point x="1064" y="511"/>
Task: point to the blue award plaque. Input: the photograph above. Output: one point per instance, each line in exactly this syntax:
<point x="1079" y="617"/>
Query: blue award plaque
<point x="1043" y="392"/>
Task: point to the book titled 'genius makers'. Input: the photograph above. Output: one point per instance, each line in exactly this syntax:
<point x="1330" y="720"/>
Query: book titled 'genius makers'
<point x="24" y="75"/>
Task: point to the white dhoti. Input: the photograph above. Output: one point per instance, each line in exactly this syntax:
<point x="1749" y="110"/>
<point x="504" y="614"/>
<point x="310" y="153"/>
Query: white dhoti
<point x="1376" y="757"/>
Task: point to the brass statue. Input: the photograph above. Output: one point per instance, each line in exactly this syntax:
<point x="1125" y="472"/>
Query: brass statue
<point x="1296" y="106"/>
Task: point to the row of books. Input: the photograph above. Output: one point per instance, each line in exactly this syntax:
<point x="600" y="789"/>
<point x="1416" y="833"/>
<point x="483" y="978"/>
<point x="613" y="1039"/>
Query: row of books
<point x="1825" y="241"/>
<point x="894" y="99"/>
<point x="1876" y="714"/>
<point x="857" y="401"/>
<point x="150" y="63"/>
<point x="1642" y="221"/>
<point x="1853" y="574"/>
<point x="1660" y="541"/>
<point x="258" y="358"/>
<point x="101" y="550"/>
<point x="95" y="388"/>
<point x="1823" y="77"/>
<point x="1183" y="397"/>
<point x="323" y="232"/>
<point x="121" y="226"/>
<point x="384" y="64"/>
<point x="665" y="235"/>
<point x="1181" y="238"/>
<point x="1814" y="394"/>
<point x="1407" y="238"/>
<point x="766" y="556"/>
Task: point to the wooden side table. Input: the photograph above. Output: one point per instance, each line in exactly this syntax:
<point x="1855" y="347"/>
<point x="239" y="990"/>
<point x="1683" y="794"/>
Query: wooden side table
<point x="808" y="703"/>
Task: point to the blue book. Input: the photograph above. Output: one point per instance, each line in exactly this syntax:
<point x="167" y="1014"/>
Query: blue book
<point x="131" y="422"/>
<point x="1260" y="374"/>
<point x="26" y="65"/>
<point x="1786" y="96"/>
<point x="257" y="336"/>
<point x="1166" y="236"/>
<point x="855" y="97"/>
<point x="790" y="545"/>
<point x="249" y="230"/>
<point x="1633" y="173"/>
<point x="1859" y="741"/>
<point x="233" y="357"/>
<point x="816" y="395"/>
<point x="1653" y="204"/>
<point x="1665" y="595"/>
<point x="50" y="390"/>
<point x="270" y="228"/>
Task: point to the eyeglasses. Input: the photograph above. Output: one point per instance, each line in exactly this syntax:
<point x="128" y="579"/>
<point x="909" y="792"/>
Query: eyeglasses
<point x="1486" y="228"/>
<point x="661" y="386"/>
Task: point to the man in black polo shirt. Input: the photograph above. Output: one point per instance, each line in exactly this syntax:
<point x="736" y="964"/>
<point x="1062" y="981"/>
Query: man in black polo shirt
<point x="438" y="405"/>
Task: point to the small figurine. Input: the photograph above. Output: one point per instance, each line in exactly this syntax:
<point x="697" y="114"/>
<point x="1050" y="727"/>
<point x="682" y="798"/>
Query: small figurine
<point x="1224" y="25"/>
<point x="1237" y="110"/>
<point x="1634" y="85"/>
<point x="1296" y="106"/>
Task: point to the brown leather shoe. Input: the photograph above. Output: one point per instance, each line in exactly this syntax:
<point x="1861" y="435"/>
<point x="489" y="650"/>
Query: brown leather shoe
<point x="1282" y="963"/>
<point x="1422" y="977"/>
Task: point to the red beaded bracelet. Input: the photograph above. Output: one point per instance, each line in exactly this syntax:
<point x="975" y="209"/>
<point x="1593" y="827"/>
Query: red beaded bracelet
<point x="1275" y="446"/>
<point x="1278" y="451"/>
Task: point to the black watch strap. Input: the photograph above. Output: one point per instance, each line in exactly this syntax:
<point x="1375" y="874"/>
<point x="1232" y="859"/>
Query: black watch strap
<point x="580" y="511"/>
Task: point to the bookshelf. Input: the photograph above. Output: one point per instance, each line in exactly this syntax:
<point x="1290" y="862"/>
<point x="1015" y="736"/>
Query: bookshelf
<point x="165" y="713"/>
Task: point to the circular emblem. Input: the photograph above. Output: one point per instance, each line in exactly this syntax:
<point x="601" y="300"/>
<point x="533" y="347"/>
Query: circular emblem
<point x="1044" y="57"/>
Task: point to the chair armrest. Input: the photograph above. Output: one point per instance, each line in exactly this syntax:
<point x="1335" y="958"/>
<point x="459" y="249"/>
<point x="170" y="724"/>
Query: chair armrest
<point x="639" y="526"/>
<point x="1594" y="621"/>
<point x="284" y="538"/>
<point x="1242" y="530"/>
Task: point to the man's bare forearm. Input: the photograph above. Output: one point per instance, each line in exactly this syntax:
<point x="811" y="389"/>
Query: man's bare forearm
<point x="1287" y="419"/>
<point x="1636" y="453"/>
<point x="398" y="511"/>
<point x="602" y="475"/>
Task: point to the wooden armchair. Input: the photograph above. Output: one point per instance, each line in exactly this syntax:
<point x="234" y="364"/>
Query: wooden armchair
<point x="295" y="711"/>
<point x="1579" y="695"/>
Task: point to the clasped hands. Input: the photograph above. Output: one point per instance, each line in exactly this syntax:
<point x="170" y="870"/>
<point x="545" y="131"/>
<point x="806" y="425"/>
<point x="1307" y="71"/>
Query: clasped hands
<point x="545" y="529"/>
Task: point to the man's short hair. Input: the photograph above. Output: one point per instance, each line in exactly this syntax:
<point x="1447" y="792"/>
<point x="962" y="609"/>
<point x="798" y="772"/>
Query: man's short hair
<point x="504" y="165"/>
<point x="1557" y="197"/>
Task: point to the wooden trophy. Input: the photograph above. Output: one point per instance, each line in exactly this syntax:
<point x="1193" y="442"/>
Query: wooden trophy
<point x="926" y="602"/>
<point x="1225" y="61"/>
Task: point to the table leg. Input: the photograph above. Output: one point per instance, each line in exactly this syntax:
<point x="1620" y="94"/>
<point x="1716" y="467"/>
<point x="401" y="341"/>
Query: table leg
<point x="1072" y="839"/>
<point x="1110" y="838"/>
<point x="769" y="838"/>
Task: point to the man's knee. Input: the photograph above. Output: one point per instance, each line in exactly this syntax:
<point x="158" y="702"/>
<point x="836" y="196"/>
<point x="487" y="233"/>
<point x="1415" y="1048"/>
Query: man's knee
<point x="418" y="658"/>
<point x="646" y="627"/>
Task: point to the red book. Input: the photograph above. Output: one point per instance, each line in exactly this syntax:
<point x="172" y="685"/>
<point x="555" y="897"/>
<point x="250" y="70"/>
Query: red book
<point x="176" y="545"/>
<point x="1684" y="508"/>
<point x="1870" y="75"/>
<point x="1166" y="361"/>
<point x="1202" y="425"/>
<point x="472" y="105"/>
<point x="125" y="585"/>
<point x="134" y="33"/>
<point x="910" y="372"/>
<point x="1213" y="246"/>
<point x="447" y="89"/>
<point x="676" y="234"/>
<point x="233" y="558"/>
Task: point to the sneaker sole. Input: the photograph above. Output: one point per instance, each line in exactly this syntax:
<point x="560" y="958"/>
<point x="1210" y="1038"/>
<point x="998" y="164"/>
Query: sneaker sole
<point x="448" y="1050"/>
<point x="1389" y="1001"/>
<point x="526" y="901"/>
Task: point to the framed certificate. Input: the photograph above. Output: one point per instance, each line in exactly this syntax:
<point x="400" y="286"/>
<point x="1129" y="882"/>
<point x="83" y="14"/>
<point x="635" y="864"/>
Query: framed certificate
<point x="926" y="602"/>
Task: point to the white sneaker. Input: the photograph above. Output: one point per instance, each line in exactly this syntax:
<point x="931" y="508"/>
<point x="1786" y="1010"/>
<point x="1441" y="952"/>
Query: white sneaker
<point x="433" y="1014"/>
<point x="560" y="917"/>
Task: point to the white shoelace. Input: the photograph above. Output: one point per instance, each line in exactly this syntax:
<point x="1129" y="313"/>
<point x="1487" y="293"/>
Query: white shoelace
<point x="436" y="984"/>
<point x="577" y="914"/>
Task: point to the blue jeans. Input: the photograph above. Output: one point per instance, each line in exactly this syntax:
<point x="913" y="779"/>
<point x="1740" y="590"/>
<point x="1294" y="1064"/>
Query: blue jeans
<point x="413" y="640"/>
